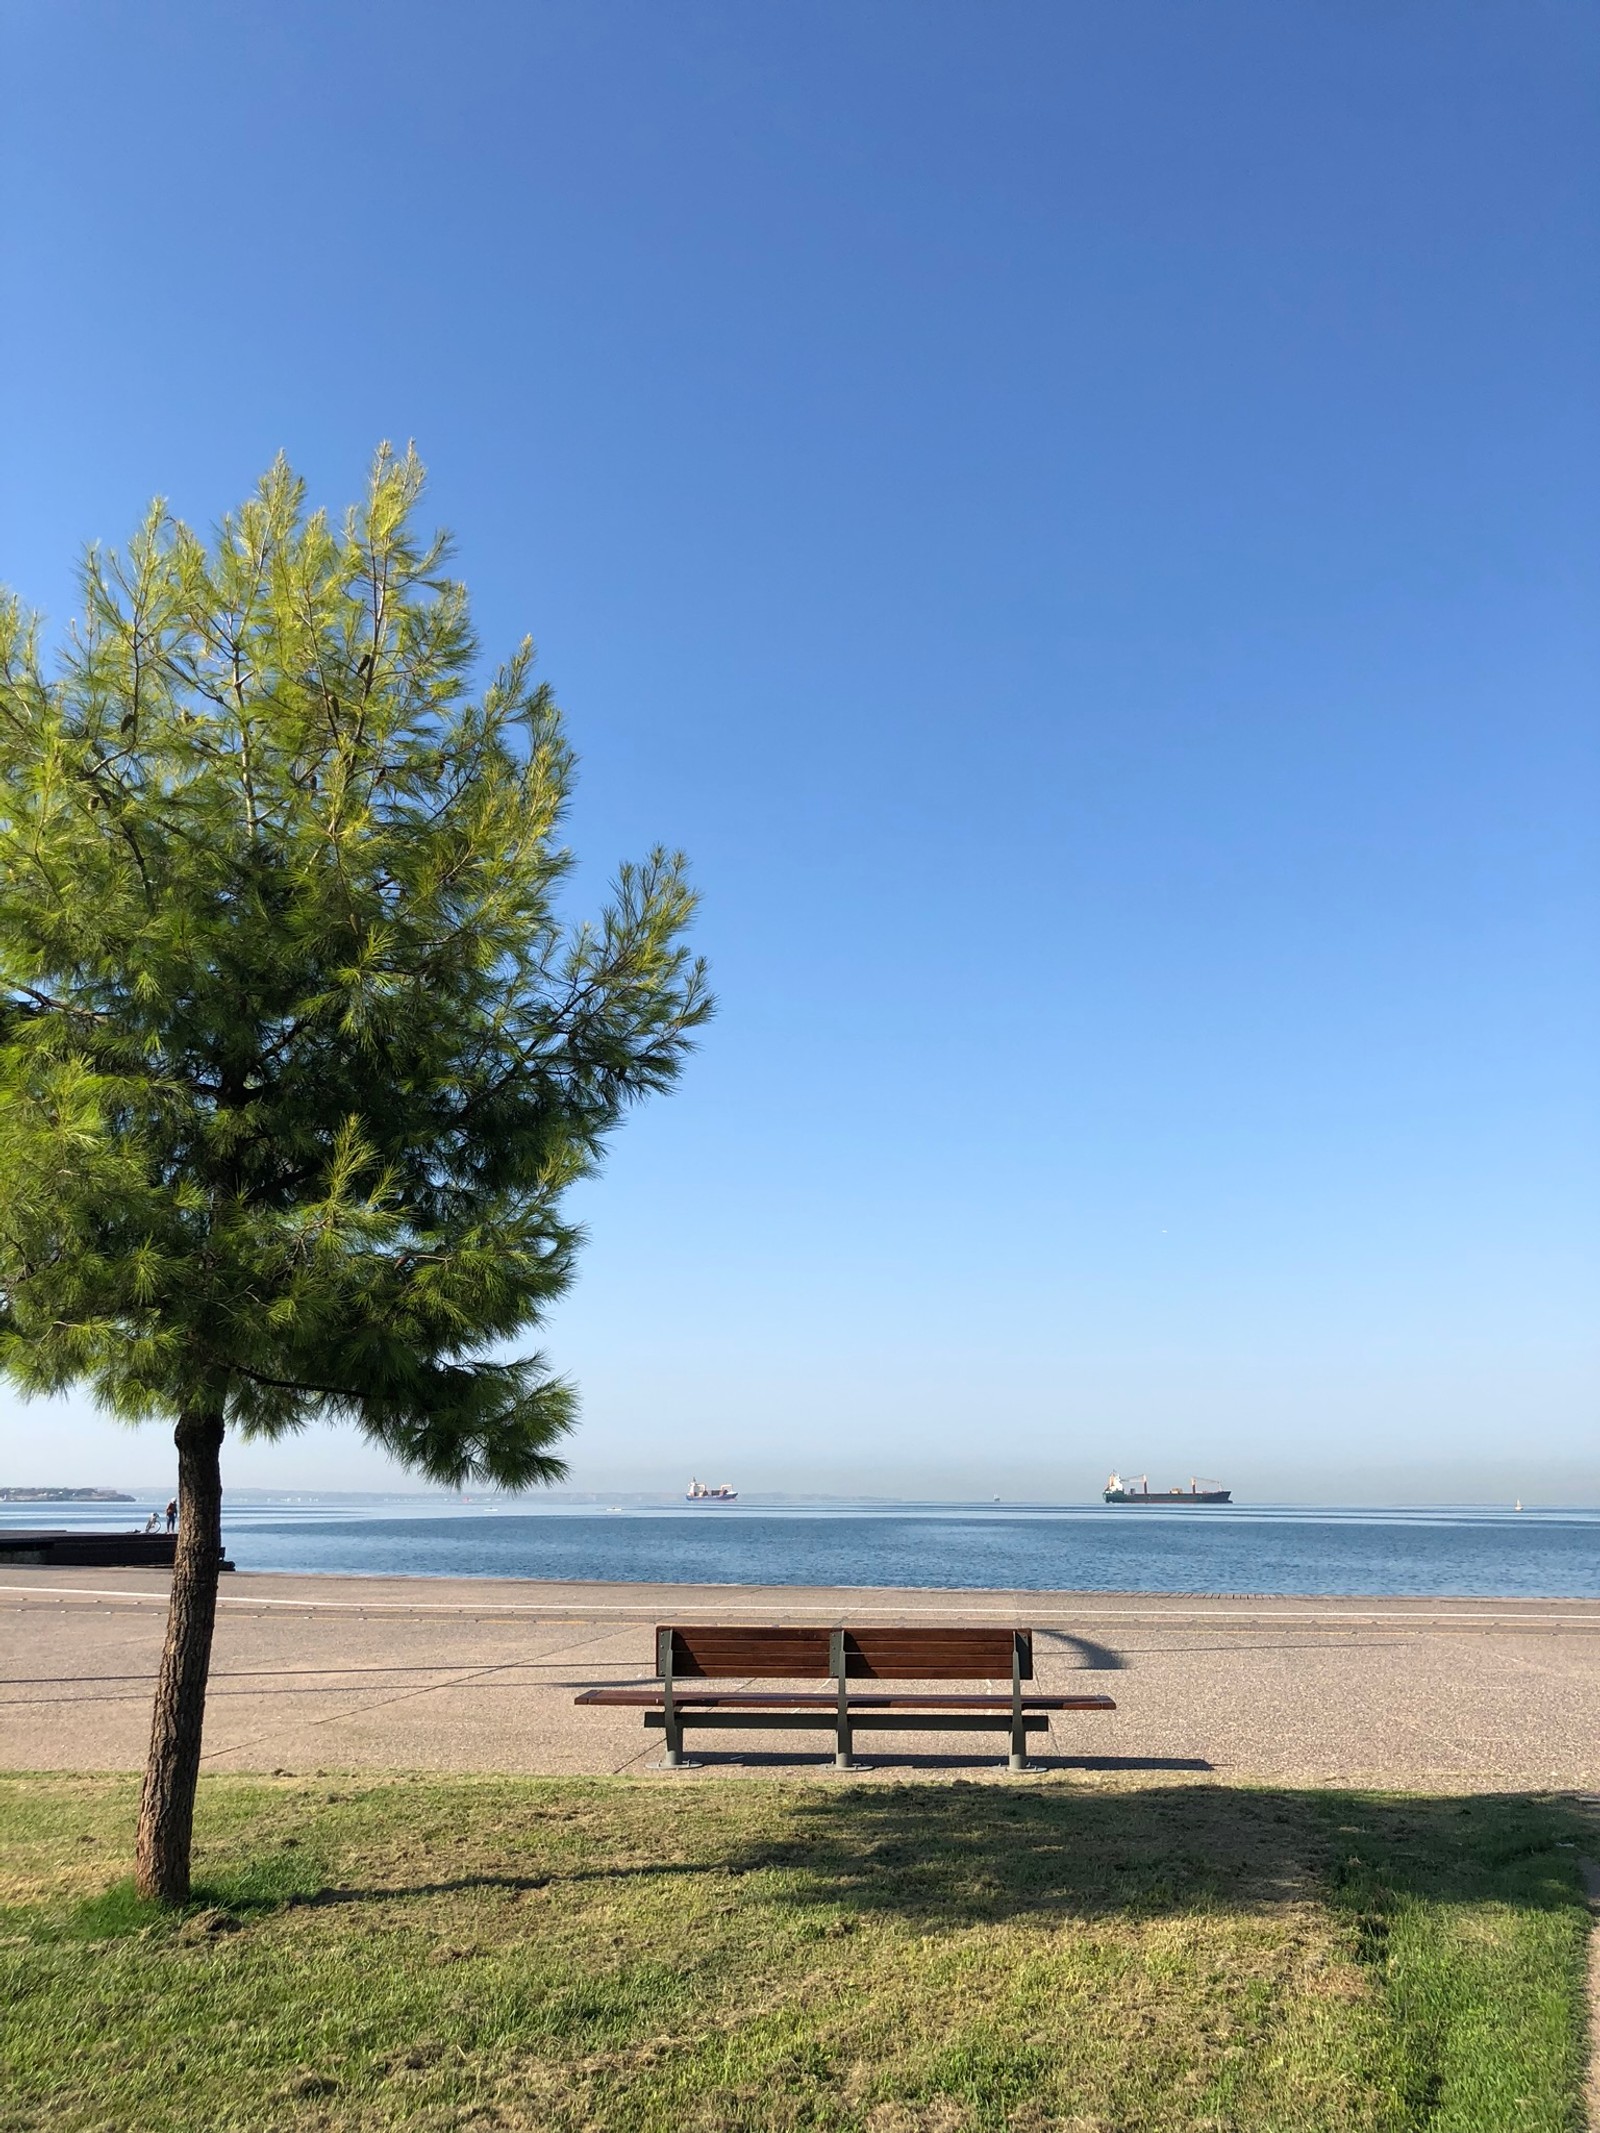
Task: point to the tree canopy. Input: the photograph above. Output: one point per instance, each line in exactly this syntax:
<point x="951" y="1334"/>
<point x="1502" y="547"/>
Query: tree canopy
<point x="298" y="1053"/>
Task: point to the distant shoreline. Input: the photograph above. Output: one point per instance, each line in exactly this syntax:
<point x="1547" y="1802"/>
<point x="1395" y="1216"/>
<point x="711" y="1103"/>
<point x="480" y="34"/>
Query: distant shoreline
<point x="65" y="1496"/>
<point x="642" y="1503"/>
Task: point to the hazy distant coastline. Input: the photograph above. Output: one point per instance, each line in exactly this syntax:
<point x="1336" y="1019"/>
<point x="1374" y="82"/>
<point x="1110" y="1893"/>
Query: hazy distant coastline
<point x="1575" y="1491"/>
<point x="64" y="1496"/>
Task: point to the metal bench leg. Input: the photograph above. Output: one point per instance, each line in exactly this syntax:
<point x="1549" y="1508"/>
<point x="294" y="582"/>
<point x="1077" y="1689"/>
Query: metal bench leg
<point x="1019" y="1732"/>
<point x="672" y="1723"/>
<point x="843" y="1741"/>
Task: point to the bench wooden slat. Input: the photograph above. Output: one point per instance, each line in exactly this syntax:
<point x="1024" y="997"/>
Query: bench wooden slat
<point x="915" y="1654"/>
<point x="861" y="1722"/>
<point x="777" y="1652"/>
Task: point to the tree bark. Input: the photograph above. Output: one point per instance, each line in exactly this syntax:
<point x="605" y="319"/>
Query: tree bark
<point x="166" y="1809"/>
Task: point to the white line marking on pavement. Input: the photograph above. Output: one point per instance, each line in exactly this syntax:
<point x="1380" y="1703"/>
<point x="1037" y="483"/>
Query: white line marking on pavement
<point x="641" y="1610"/>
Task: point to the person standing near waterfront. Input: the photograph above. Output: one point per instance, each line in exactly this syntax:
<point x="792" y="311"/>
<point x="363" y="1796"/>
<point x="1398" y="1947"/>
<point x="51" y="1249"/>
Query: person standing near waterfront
<point x="172" y="1516"/>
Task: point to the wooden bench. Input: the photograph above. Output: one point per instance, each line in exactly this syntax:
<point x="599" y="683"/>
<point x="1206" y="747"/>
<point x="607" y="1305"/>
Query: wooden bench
<point x="844" y="1656"/>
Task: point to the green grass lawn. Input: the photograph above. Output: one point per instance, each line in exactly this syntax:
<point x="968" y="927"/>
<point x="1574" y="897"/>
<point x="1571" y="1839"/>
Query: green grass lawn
<point x="695" y="1954"/>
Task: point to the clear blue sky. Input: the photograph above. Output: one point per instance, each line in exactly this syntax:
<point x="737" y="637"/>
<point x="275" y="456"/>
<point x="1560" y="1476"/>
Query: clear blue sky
<point x="1083" y="520"/>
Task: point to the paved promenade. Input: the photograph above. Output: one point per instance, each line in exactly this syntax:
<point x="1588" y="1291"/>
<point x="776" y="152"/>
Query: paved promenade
<point x="325" y="1673"/>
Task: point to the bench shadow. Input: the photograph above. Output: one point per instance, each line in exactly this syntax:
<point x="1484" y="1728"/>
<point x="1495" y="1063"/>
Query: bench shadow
<point x="869" y="1764"/>
<point x="1125" y="1762"/>
<point x="1092" y="1658"/>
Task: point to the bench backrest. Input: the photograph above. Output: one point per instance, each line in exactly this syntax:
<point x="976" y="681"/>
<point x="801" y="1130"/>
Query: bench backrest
<point x="887" y="1654"/>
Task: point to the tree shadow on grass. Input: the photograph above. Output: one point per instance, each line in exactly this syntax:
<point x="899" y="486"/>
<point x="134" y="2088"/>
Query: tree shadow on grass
<point x="943" y="1856"/>
<point x="965" y="1854"/>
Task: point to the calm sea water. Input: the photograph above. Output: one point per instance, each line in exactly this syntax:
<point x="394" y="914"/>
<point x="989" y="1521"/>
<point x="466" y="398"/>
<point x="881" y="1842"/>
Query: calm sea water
<point x="1093" y="1548"/>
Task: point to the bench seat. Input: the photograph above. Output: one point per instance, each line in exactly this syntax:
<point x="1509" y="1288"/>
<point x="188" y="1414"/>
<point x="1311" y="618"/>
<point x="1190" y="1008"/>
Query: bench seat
<point x="824" y="1700"/>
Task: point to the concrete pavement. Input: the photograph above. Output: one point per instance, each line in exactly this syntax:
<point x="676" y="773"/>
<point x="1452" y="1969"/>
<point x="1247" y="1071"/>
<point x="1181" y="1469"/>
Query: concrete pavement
<point x="352" y="1674"/>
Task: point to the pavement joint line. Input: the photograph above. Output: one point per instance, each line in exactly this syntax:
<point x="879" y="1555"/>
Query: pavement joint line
<point x="640" y="1610"/>
<point x="279" y="1673"/>
<point x="382" y="1702"/>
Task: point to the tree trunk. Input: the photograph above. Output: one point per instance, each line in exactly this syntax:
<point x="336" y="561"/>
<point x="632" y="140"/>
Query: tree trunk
<point x="166" y="1810"/>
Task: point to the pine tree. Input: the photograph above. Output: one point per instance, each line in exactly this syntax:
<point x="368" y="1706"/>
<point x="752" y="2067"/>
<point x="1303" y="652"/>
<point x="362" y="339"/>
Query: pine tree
<point x="297" y="1052"/>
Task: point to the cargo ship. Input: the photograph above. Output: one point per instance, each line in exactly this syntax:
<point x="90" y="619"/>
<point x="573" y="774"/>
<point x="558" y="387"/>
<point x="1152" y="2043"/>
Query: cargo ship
<point x="697" y="1492"/>
<point x="1138" y="1490"/>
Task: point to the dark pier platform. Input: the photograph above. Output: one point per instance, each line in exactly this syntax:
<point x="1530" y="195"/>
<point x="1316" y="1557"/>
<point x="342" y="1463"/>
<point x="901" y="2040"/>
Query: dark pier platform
<point x="59" y="1549"/>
